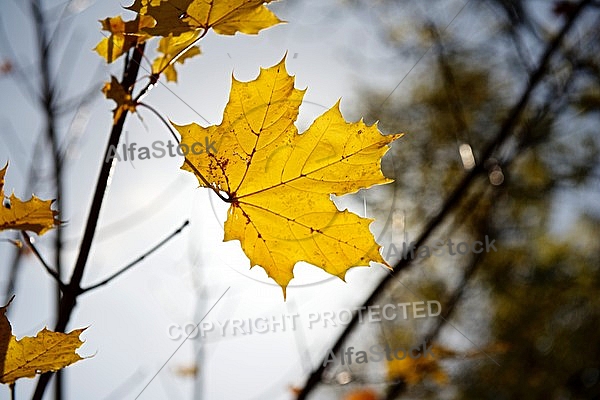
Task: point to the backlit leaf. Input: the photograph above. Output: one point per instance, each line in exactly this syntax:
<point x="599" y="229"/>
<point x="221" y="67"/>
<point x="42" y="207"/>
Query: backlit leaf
<point x="33" y="215"/>
<point x="123" y="36"/>
<point x="47" y="351"/>
<point x="115" y="91"/>
<point x="280" y="182"/>
<point x="361" y="394"/>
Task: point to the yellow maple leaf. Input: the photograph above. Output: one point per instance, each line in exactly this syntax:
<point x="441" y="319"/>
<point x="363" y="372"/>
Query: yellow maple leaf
<point x="34" y="215"/>
<point x="226" y="17"/>
<point x="279" y="182"/>
<point x="115" y="91"/>
<point x="171" y="46"/>
<point x="48" y="351"/>
<point x="123" y="36"/>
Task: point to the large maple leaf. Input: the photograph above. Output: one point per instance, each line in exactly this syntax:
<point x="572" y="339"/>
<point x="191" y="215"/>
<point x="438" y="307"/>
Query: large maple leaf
<point x="47" y="351"/>
<point x="280" y="182"/>
<point x="225" y="17"/>
<point x="33" y="215"/>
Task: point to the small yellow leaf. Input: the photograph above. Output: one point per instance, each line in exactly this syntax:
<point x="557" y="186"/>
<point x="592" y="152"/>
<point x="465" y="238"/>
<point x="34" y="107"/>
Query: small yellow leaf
<point x="226" y="17"/>
<point x="280" y="183"/>
<point x="361" y="394"/>
<point x="48" y="351"/>
<point x="413" y="371"/>
<point x="187" y="371"/>
<point x="34" y="215"/>
<point x="115" y="91"/>
<point x="123" y="36"/>
<point x="171" y="46"/>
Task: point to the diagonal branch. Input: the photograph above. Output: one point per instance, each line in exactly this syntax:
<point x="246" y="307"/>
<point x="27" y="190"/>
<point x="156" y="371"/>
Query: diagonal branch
<point x="137" y="260"/>
<point x="49" y="269"/>
<point x="454" y="198"/>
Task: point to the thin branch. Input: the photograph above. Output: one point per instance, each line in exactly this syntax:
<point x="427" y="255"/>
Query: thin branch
<point x="17" y="255"/>
<point x="397" y="387"/>
<point x="162" y="119"/>
<point x="453" y="199"/>
<point x="132" y="220"/>
<point x="47" y="103"/>
<point x="192" y="166"/>
<point x="73" y="290"/>
<point x="138" y="260"/>
<point x="154" y="77"/>
<point x="11" y="241"/>
<point x="48" y="269"/>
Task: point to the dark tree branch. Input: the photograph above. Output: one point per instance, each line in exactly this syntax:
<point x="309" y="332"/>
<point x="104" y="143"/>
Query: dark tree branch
<point x="73" y="290"/>
<point x="454" y="198"/>
<point x="397" y="387"/>
<point x="17" y="255"/>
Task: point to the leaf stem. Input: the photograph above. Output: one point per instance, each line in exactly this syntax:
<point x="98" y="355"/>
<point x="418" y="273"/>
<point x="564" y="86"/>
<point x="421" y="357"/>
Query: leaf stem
<point x="162" y="119"/>
<point x="192" y="166"/>
<point x="154" y="77"/>
<point x="13" y="393"/>
<point x="73" y="289"/>
<point x="176" y="57"/>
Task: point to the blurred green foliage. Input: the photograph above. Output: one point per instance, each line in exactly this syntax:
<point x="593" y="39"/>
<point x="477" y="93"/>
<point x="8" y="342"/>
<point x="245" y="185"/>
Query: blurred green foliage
<point x="533" y="306"/>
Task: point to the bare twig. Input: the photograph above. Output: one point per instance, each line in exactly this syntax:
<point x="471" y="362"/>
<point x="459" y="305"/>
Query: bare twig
<point x="48" y="269"/>
<point x="137" y="260"/>
<point x="155" y="76"/>
<point x="192" y="166"/>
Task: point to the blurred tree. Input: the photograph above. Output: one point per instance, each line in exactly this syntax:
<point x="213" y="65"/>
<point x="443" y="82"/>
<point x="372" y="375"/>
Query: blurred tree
<point x="522" y="322"/>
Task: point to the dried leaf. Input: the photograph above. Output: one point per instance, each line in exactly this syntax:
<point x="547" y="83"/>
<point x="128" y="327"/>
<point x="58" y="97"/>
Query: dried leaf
<point x="361" y="394"/>
<point x="115" y="91"/>
<point x="123" y="36"/>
